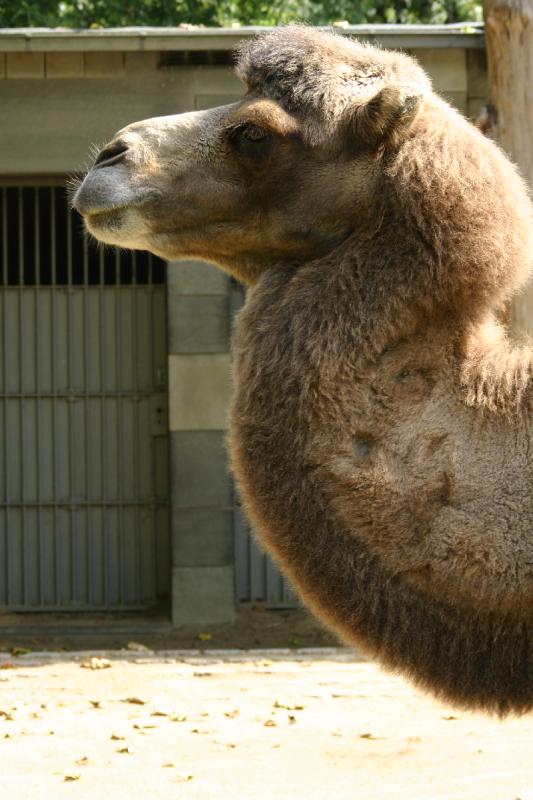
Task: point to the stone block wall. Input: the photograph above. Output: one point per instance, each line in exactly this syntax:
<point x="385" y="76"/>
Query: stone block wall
<point x="201" y="489"/>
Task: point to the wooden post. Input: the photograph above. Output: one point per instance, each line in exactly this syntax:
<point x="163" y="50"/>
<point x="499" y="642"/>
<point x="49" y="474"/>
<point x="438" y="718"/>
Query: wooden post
<point x="509" y="43"/>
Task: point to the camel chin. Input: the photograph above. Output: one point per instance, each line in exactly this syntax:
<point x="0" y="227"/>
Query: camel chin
<point x="119" y="227"/>
<point x="380" y="430"/>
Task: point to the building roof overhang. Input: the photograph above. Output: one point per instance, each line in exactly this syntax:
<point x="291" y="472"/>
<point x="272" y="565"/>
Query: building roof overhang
<point x="190" y="38"/>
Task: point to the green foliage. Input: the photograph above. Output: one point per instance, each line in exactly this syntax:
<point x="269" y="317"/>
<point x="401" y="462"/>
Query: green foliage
<point x="117" y="13"/>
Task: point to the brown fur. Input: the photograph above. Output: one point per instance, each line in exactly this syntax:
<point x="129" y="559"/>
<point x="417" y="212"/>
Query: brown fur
<point x="380" y="427"/>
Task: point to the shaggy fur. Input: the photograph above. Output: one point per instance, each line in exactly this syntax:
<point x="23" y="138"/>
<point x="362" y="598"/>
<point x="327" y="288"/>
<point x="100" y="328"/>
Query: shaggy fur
<point x="380" y="428"/>
<point x="377" y="427"/>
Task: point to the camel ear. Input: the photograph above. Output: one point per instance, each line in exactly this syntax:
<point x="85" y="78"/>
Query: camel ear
<point x="388" y="112"/>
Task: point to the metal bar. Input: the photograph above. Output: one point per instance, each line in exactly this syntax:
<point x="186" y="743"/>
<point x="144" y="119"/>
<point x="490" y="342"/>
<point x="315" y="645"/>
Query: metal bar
<point x="118" y="340"/>
<point x="79" y="395"/>
<point x="37" y="330"/>
<point x="53" y="368"/>
<point x="136" y="448"/>
<point x="155" y="516"/>
<point x="82" y="503"/>
<point x="5" y="236"/>
<point x="106" y="572"/>
<point x="89" y="535"/>
<point x="21" y="384"/>
<point x="70" y="437"/>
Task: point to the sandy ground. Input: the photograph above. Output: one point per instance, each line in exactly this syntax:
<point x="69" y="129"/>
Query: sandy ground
<point x="253" y="726"/>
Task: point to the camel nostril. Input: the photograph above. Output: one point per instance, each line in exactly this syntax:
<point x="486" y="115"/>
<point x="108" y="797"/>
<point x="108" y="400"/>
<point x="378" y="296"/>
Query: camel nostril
<point x="110" y="155"/>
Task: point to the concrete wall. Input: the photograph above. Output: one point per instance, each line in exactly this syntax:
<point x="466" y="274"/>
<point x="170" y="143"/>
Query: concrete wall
<point x="53" y="107"/>
<point x="201" y="490"/>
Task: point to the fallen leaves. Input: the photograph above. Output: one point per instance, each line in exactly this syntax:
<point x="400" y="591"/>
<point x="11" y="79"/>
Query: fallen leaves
<point x="184" y="777"/>
<point x="96" y="663"/>
<point x="287" y="707"/>
<point x="136" y="701"/>
<point x="20" y="651"/>
<point x="370" y="736"/>
<point x="138" y="647"/>
<point x="71" y="776"/>
<point x="125" y="751"/>
<point x="204" y="637"/>
<point x="82" y="762"/>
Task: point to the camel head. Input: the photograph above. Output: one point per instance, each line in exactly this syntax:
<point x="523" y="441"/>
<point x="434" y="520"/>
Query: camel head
<point x="234" y="184"/>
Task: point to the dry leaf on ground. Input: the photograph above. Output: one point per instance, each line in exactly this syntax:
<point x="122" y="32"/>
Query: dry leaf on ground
<point x="183" y="777"/>
<point x="96" y="663"/>
<point x="288" y="707"/>
<point x="138" y="647"/>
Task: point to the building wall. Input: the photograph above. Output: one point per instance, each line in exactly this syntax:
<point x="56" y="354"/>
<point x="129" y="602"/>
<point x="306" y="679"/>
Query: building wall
<point x="54" y="107"/>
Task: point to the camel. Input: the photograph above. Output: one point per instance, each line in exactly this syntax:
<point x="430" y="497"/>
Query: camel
<point x="380" y="426"/>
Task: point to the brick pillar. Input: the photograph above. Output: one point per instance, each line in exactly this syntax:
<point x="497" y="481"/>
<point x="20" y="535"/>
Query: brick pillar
<point x="201" y="491"/>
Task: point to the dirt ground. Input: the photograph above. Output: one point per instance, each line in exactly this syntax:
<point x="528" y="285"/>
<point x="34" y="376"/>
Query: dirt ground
<point x="253" y="627"/>
<point x="244" y="726"/>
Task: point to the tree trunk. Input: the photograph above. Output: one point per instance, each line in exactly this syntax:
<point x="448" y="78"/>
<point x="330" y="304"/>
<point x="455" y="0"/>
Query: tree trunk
<point x="509" y="42"/>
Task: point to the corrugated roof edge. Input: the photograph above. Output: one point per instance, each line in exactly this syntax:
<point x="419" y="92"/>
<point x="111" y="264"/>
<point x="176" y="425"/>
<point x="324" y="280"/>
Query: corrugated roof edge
<point x="38" y="40"/>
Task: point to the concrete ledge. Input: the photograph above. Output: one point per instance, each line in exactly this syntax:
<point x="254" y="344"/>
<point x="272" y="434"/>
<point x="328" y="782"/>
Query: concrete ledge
<point x="192" y="656"/>
<point x="202" y="595"/>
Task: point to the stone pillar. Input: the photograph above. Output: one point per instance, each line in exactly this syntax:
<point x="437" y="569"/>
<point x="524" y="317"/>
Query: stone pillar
<point x="201" y="491"/>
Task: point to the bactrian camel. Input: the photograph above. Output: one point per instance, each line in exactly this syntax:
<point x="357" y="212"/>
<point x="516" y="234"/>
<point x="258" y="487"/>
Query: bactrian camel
<point x="380" y="428"/>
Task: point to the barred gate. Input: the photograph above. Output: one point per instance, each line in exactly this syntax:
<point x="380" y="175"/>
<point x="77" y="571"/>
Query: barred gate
<point x="83" y="423"/>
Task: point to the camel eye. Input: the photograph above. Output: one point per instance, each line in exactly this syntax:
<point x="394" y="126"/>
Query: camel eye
<point x="248" y="133"/>
<point x="254" y="133"/>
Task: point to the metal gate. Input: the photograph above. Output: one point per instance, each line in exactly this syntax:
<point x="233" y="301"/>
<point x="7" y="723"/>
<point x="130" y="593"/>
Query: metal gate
<point x="258" y="580"/>
<point x="83" y="427"/>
